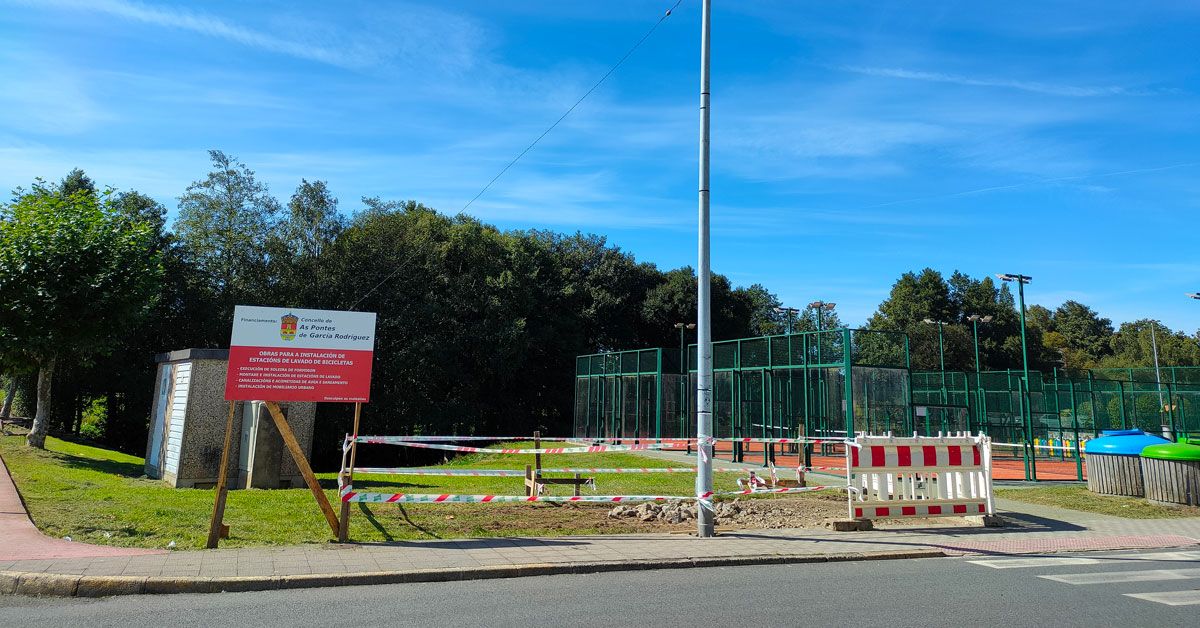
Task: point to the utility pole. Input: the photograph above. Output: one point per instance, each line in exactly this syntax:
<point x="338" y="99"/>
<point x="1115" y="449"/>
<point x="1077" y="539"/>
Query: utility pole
<point x="1026" y="410"/>
<point x="705" y="517"/>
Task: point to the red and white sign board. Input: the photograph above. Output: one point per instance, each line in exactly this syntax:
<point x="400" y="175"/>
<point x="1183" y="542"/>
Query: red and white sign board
<point x="286" y="354"/>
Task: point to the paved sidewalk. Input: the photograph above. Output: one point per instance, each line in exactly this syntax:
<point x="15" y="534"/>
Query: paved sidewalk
<point x="20" y="540"/>
<point x="85" y="570"/>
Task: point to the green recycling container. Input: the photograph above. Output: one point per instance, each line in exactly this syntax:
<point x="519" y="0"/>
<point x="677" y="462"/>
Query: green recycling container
<point x="1171" y="472"/>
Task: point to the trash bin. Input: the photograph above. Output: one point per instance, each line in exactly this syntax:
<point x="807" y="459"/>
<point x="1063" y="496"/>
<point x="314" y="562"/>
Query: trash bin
<point x="1113" y="463"/>
<point x="1172" y="472"/>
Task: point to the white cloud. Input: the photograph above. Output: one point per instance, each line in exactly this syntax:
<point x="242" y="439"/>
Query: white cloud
<point x="1051" y="89"/>
<point x="413" y="35"/>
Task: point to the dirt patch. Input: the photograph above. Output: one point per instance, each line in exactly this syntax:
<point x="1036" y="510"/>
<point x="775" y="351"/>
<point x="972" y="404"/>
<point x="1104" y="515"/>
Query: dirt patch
<point x="759" y="514"/>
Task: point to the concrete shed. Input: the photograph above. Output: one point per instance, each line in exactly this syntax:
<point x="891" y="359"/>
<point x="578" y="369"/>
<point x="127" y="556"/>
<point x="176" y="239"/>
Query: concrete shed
<point x="187" y="428"/>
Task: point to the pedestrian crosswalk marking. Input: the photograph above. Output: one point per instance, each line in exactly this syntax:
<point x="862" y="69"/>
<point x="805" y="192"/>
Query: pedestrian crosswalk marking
<point x="1111" y="577"/>
<point x="1170" y="598"/>
<point x="1044" y="561"/>
<point x="1156" y="556"/>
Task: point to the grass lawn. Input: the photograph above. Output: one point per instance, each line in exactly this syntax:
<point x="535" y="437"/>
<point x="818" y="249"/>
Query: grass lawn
<point x="100" y="496"/>
<point x="1077" y="497"/>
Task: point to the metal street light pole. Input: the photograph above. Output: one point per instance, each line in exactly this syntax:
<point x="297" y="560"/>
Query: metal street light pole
<point x="1031" y="472"/>
<point x="705" y="517"/>
<point x="1157" y="375"/>
<point x="941" y="356"/>
<point x="981" y="398"/>
<point x="789" y="311"/>
<point x="820" y="307"/>
<point x="975" y="321"/>
<point x="683" y="380"/>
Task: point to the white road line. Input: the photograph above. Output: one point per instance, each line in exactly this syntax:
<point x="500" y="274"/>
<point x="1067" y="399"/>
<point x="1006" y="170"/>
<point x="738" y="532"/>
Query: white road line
<point x="1170" y="598"/>
<point x="1045" y="561"/>
<point x="1165" y="556"/>
<point x="1110" y="577"/>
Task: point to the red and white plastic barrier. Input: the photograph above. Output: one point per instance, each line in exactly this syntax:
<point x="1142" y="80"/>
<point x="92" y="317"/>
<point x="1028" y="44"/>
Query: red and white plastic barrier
<point x="919" y="476"/>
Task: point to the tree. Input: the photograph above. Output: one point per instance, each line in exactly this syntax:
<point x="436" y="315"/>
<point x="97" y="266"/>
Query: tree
<point x="765" y="320"/>
<point x="914" y="298"/>
<point x="225" y="221"/>
<point x="312" y="220"/>
<point x="75" y="182"/>
<point x="1133" y="346"/>
<point x="810" y="319"/>
<point x="1084" y="336"/>
<point x="73" y="271"/>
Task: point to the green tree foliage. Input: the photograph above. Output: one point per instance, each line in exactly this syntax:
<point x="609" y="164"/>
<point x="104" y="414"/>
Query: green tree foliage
<point x="765" y="320"/>
<point x="312" y="220"/>
<point x="74" y="271"/>
<point x="928" y="295"/>
<point x="225" y="221"/>
<point x="1132" y="346"/>
<point x="674" y="300"/>
<point x="1080" y="334"/>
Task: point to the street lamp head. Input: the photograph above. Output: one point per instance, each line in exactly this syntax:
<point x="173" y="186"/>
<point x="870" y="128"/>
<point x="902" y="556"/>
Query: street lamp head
<point x="975" y="318"/>
<point x="1194" y="295"/>
<point x="931" y="321"/>
<point x="1014" y="277"/>
<point x="986" y="319"/>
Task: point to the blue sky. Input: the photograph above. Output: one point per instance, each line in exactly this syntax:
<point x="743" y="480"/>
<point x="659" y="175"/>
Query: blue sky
<point x="852" y="141"/>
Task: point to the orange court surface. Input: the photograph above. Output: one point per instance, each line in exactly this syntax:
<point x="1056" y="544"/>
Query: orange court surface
<point x="1004" y="465"/>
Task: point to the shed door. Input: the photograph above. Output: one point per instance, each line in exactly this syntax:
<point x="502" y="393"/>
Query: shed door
<point x="175" y="415"/>
<point x="160" y="414"/>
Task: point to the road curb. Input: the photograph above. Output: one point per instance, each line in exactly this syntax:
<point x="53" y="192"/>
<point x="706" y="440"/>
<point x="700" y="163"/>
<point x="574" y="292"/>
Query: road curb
<point x="65" y="585"/>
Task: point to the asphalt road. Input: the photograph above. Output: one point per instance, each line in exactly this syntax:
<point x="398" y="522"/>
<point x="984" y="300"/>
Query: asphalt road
<point x="1086" y="589"/>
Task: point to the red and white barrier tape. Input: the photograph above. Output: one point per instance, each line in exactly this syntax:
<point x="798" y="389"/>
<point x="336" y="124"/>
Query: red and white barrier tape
<point x="591" y="449"/>
<point x="569" y="439"/>
<point x="506" y="473"/>
<point x="348" y="494"/>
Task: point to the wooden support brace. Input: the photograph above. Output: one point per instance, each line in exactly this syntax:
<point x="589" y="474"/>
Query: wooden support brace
<point x="216" y="527"/>
<point x="289" y="439"/>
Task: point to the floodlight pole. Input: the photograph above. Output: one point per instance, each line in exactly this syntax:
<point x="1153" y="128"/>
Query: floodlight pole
<point x="975" y="321"/>
<point x="1027" y="397"/>
<point x="789" y="312"/>
<point x="1157" y="373"/>
<point x="705" y="517"/>
<point x="941" y="356"/>
<point x="975" y="327"/>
